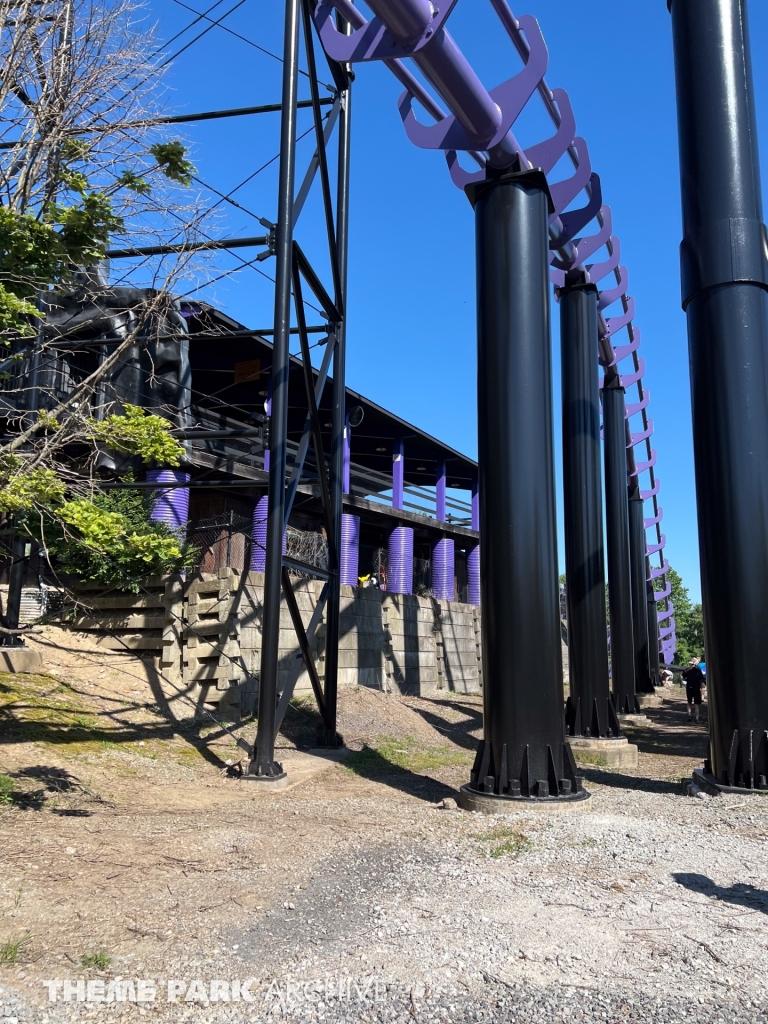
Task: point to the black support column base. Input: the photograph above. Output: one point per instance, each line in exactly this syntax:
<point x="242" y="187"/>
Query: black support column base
<point x="535" y="777"/>
<point x="273" y="775"/>
<point x="627" y="705"/>
<point x="599" y="721"/>
<point x="707" y="782"/>
<point x="329" y="738"/>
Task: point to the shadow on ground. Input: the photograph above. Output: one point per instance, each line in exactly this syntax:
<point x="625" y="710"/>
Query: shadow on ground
<point x="41" y="709"/>
<point x="460" y="733"/>
<point x="370" y="763"/>
<point x="740" y="893"/>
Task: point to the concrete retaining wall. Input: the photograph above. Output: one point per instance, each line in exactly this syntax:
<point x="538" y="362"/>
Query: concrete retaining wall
<point x="203" y="634"/>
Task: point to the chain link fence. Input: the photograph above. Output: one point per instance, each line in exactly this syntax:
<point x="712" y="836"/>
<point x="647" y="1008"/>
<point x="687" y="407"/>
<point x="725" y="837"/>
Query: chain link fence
<point x="226" y="541"/>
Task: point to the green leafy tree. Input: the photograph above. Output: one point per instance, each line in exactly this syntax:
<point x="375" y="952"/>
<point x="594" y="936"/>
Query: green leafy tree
<point x="112" y="540"/>
<point x="84" y="164"/>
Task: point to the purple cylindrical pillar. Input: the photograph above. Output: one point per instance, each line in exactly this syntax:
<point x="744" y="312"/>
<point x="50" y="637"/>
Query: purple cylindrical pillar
<point x="443" y="551"/>
<point x="171" y="505"/>
<point x="473" y="554"/>
<point x="259" y="546"/>
<point x="443" y="560"/>
<point x="350" y="549"/>
<point x="400" y="562"/>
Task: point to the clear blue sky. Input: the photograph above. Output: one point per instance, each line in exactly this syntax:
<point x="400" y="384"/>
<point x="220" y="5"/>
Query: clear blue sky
<point x="411" y="287"/>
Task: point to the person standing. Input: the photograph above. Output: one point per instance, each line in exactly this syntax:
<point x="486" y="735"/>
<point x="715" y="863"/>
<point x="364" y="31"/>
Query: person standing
<point x="694" y="683"/>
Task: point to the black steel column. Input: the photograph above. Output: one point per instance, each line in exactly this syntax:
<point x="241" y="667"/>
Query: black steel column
<point x="637" y="559"/>
<point x="330" y="737"/>
<point x="589" y="711"/>
<point x="724" y="279"/>
<point x="263" y="764"/>
<point x="617" y="546"/>
<point x="523" y="754"/>
<point x="653" y="632"/>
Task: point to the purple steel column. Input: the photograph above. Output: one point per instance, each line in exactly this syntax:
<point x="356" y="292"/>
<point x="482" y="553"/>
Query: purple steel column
<point x="172" y="503"/>
<point x="400" y="562"/>
<point x="261" y="511"/>
<point x="473" y="555"/>
<point x="349" y="558"/>
<point x="443" y="555"/>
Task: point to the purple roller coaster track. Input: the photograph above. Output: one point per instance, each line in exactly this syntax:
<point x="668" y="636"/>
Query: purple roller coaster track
<point x="480" y="123"/>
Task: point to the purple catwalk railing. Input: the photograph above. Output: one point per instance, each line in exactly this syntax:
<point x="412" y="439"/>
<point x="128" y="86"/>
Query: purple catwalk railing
<point x="171" y="505"/>
<point x="481" y="120"/>
<point x="349" y="558"/>
<point x="443" y="553"/>
<point x="400" y="561"/>
<point x="473" y="555"/>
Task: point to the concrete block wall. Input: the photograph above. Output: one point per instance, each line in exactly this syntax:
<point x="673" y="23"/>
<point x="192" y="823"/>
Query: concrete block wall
<point x="205" y="634"/>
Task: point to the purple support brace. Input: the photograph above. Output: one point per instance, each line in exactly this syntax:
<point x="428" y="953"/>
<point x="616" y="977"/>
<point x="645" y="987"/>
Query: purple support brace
<point x="398" y="474"/>
<point x="400" y="562"/>
<point x="346" y="471"/>
<point x="350" y="525"/>
<point x="172" y="503"/>
<point x="473" y="554"/>
<point x="443" y="555"/>
<point x="261" y="511"/>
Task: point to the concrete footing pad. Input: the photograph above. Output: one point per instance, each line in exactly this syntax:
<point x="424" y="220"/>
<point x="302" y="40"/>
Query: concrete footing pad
<point x="268" y="782"/>
<point x="486" y="803"/>
<point x="617" y="752"/>
<point x="20" y="659"/>
<point x="649" y="700"/>
<point x="633" y="719"/>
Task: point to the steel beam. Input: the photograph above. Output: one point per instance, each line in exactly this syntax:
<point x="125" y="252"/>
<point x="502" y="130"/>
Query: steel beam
<point x="263" y="765"/>
<point x="724" y="273"/>
<point x="617" y="546"/>
<point x="589" y="710"/>
<point x="330" y="736"/>
<point x="523" y="755"/>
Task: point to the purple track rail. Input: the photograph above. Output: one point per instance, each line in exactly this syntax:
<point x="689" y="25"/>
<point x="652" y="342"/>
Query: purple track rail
<point x="479" y="122"/>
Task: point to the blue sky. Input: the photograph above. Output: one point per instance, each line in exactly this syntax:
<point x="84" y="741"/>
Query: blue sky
<point x="411" y="285"/>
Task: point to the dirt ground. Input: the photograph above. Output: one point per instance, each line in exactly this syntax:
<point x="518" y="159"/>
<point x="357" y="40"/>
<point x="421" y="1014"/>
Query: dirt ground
<point x="138" y="871"/>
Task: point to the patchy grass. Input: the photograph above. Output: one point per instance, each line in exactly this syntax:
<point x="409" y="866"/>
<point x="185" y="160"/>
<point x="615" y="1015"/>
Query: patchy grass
<point x="39" y="709"/>
<point x="585" y="757"/>
<point x="101" y="960"/>
<point x="10" y="950"/>
<point x="389" y="754"/>
<point x="504" y="840"/>
<point x="6" y="789"/>
<point x="44" y="710"/>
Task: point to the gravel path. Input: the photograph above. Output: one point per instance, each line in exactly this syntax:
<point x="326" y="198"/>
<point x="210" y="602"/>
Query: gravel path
<point x="356" y="897"/>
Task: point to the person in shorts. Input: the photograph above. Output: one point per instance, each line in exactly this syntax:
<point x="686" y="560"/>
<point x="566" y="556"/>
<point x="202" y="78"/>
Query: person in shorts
<point x="694" y="684"/>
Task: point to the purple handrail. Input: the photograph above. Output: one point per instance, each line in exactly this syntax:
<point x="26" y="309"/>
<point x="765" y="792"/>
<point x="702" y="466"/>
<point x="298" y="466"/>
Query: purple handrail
<point x="480" y="123"/>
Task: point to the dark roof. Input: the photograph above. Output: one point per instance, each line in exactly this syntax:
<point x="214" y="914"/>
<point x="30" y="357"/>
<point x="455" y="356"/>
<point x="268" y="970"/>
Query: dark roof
<point x="224" y="345"/>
